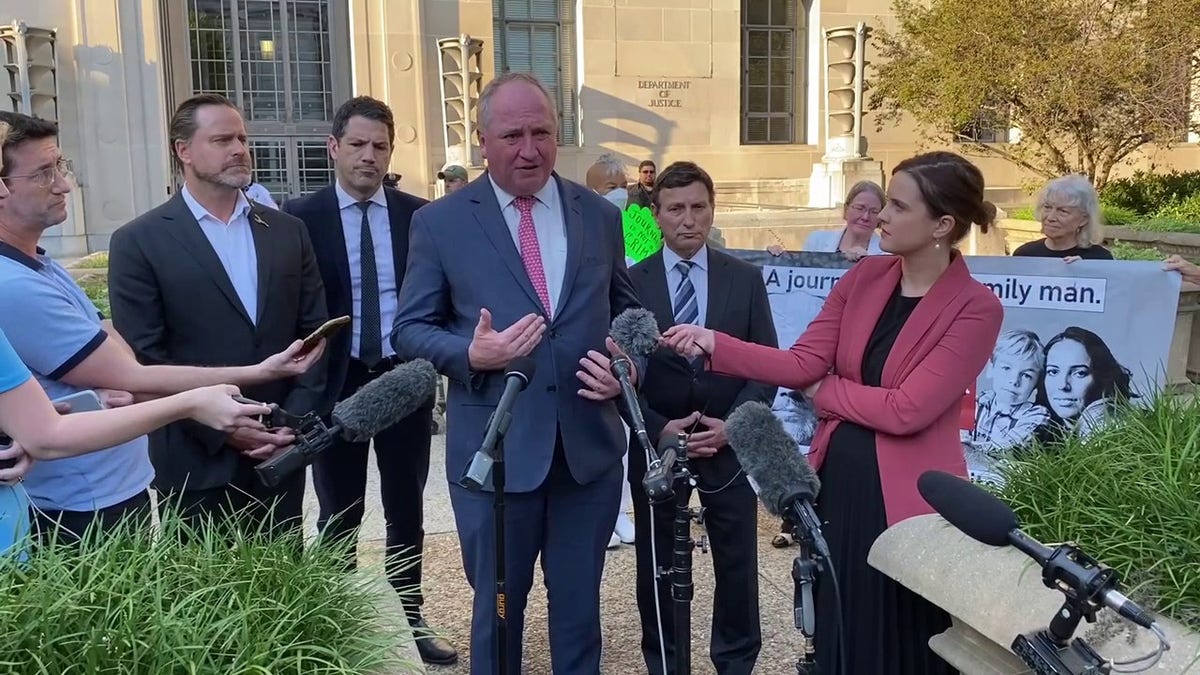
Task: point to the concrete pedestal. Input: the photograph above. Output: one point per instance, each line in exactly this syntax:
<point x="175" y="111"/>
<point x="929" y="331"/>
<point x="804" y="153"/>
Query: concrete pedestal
<point x="832" y="178"/>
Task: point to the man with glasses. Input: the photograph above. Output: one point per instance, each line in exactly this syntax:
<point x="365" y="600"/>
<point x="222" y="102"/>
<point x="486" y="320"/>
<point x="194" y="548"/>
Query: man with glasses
<point x="58" y="333"/>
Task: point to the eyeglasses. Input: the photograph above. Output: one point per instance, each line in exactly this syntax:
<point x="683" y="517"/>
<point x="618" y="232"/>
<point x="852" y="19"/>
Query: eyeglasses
<point x="859" y="209"/>
<point x="45" y="178"/>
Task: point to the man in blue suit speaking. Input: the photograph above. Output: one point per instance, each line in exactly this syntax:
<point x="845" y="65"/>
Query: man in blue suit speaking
<point x="522" y="262"/>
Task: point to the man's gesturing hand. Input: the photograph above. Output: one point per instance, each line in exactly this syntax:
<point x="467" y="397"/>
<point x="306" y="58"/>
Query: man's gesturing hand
<point x="493" y="350"/>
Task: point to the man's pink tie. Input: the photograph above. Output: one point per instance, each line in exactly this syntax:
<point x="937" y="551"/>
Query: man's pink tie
<point x="531" y="254"/>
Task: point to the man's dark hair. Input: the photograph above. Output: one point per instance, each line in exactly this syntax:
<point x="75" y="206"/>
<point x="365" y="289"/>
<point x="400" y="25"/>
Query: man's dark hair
<point x="22" y="128"/>
<point x="645" y="163"/>
<point x="183" y="122"/>
<point x="683" y="174"/>
<point x="364" y="106"/>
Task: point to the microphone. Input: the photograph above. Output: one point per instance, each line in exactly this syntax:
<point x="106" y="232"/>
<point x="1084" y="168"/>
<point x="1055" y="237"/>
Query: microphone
<point x="787" y="484"/>
<point x="516" y="378"/>
<point x="378" y="405"/>
<point x="983" y="517"/>
<point x="635" y="331"/>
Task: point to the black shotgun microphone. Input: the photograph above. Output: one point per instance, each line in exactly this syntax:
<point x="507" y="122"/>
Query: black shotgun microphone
<point x="983" y="517"/>
<point x="787" y="485"/>
<point x="516" y="378"/>
<point x="378" y="405"/>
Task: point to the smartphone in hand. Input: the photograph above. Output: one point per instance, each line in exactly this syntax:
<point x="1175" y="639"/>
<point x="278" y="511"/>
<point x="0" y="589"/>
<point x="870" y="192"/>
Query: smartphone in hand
<point x="327" y="329"/>
<point x="81" y="401"/>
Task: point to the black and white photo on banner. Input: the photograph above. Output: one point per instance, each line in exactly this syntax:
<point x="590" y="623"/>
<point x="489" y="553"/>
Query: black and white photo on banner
<point x="1067" y="350"/>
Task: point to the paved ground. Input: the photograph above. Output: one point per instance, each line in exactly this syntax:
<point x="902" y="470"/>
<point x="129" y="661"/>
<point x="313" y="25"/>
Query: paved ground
<point x="448" y="597"/>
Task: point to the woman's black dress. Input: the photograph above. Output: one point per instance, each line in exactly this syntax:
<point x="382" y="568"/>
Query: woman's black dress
<point x="887" y="626"/>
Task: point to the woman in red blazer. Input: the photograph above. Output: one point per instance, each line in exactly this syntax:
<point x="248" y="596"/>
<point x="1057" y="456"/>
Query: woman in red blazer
<point x="886" y="362"/>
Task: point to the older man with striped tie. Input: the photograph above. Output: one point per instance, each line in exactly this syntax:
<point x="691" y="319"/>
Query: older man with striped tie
<point x="688" y="281"/>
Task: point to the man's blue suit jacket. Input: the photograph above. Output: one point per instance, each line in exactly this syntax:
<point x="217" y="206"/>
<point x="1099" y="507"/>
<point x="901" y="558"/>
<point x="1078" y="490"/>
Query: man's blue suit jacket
<point x="462" y="258"/>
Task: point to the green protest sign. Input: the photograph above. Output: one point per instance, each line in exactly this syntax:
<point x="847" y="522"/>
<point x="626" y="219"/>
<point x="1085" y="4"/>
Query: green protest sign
<point x="642" y="236"/>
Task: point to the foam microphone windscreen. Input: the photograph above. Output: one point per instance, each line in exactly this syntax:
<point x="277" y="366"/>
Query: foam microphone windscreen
<point x="386" y="400"/>
<point x="770" y="456"/>
<point x="976" y="512"/>
<point x="635" y="331"/>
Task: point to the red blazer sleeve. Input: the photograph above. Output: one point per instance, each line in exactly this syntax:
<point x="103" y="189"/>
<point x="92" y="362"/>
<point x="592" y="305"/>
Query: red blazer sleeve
<point x="934" y="386"/>
<point x="806" y="362"/>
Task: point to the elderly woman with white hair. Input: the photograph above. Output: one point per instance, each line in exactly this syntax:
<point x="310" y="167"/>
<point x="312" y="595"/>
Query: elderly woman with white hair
<point x="1069" y="210"/>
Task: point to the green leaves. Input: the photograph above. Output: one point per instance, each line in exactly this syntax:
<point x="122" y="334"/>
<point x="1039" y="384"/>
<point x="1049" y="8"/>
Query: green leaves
<point x="1129" y="496"/>
<point x="139" y="602"/>
<point x="1087" y="82"/>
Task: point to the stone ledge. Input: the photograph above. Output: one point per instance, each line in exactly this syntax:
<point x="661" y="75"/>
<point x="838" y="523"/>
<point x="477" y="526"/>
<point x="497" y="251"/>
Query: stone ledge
<point x="995" y="595"/>
<point x="391" y="614"/>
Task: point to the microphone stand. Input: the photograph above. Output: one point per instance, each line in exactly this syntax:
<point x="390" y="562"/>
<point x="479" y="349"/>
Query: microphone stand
<point x="1052" y="650"/>
<point x="680" y="573"/>
<point x="805" y="568"/>
<point x="501" y="580"/>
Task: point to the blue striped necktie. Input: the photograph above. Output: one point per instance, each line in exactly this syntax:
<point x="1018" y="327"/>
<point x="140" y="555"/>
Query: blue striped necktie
<point x="686" y="308"/>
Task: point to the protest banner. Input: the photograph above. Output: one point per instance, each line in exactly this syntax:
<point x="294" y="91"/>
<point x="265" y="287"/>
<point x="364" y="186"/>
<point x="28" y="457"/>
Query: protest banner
<point x="1069" y="345"/>
<point x="641" y="233"/>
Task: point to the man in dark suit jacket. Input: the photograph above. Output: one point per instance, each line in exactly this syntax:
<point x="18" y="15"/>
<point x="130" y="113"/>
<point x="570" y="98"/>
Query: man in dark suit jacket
<point x="359" y="230"/>
<point x="210" y="278"/>
<point x="690" y="282"/>
<point x="521" y="262"/>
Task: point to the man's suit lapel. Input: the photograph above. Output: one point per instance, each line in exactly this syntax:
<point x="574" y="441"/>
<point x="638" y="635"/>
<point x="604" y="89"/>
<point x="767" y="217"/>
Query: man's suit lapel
<point x="333" y="239"/>
<point x="573" y="220"/>
<point x="399" y="232"/>
<point x="186" y="230"/>
<point x="655" y="296"/>
<point x="491" y="221"/>
<point x="718" y="290"/>
<point x="264" y="251"/>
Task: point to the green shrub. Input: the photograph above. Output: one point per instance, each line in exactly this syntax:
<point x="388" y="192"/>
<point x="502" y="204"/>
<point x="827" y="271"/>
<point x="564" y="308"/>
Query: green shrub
<point x="1128" y="495"/>
<point x="1123" y="250"/>
<point x="135" y="603"/>
<point x="1146" y="193"/>
<point x="96" y="288"/>
<point x="1166" y="225"/>
<point x="1187" y="209"/>
<point x="1022" y="213"/>
<point x="1117" y="216"/>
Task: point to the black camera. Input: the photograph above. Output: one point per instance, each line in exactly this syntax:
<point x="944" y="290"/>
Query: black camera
<point x="312" y="438"/>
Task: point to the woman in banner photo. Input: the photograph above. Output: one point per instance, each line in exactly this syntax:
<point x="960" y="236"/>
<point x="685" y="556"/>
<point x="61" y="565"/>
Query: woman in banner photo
<point x="1081" y="384"/>
<point x="1069" y="210"/>
<point x="886" y="362"/>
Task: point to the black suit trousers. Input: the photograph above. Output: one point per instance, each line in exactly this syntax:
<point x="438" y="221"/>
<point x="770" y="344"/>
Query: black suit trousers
<point x="731" y="522"/>
<point x="402" y="457"/>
